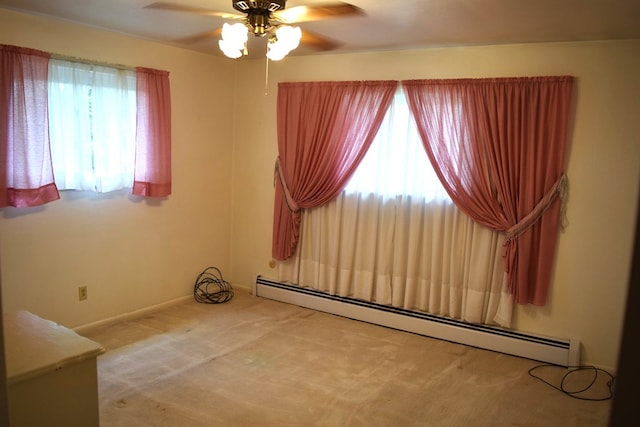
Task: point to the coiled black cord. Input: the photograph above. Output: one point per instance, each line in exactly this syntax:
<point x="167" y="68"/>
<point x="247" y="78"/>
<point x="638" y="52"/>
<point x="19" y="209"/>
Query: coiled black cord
<point x="610" y="382"/>
<point x="211" y="288"/>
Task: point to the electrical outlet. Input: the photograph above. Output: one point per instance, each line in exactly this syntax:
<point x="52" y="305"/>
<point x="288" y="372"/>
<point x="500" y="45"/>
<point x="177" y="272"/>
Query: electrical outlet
<point x="82" y="293"/>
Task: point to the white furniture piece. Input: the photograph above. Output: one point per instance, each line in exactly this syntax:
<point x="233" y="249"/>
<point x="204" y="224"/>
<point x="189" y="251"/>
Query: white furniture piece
<point x="51" y="373"/>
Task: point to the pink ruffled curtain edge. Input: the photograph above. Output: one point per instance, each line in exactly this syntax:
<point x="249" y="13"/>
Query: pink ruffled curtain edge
<point x="31" y="197"/>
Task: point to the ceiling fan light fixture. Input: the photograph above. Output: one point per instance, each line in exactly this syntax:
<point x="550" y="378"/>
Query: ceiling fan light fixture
<point x="274" y="53"/>
<point x="285" y="40"/>
<point x="289" y="36"/>
<point x="265" y="18"/>
<point x="234" y="40"/>
<point x="229" y="51"/>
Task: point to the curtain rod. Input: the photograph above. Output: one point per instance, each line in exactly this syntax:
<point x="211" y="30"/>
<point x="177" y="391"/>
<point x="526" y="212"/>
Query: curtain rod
<point x="90" y="62"/>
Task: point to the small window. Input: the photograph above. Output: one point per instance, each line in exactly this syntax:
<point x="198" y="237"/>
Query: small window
<point x="92" y="125"/>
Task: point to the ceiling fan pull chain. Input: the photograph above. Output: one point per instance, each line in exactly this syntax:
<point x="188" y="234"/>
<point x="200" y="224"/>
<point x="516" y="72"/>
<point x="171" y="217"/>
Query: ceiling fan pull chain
<point x="266" y="76"/>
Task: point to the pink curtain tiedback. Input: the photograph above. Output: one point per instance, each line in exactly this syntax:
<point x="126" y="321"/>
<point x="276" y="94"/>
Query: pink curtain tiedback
<point x="498" y="146"/>
<point x="26" y="170"/>
<point x="152" y="175"/>
<point x="324" y="130"/>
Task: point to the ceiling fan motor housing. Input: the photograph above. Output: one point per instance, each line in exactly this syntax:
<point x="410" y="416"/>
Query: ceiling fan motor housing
<point x="259" y="6"/>
<point x="259" y="13"/>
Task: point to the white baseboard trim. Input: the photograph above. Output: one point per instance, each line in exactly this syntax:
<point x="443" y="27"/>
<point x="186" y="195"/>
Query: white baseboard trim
<point x="563" y="352"/>
<point x="129" y="315"/>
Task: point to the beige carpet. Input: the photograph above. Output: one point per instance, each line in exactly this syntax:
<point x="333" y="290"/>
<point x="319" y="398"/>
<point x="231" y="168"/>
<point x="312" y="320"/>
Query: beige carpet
<point x="255" y="362"/>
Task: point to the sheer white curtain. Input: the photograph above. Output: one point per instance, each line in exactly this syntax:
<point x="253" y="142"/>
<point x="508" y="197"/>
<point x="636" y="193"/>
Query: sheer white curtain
<point x="92" y="116"/>
<point x="394" y="237"/>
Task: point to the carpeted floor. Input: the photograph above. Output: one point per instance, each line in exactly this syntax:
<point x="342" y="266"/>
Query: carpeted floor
<point x="256" y="362"/>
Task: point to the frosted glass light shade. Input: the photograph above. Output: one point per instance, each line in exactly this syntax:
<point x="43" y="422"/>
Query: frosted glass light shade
<point x="287" y="39"/>
<point x="274" y="51"/>
<point x="234" y="39"/>
<point x="289" y="36"/>
<point x="229" y="50"/>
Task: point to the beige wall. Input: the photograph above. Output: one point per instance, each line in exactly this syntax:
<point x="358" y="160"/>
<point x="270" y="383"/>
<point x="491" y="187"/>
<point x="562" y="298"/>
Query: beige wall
<point x="590" y="281"/>
<point x="133" y="254"/>
<point x="130" y="253"/>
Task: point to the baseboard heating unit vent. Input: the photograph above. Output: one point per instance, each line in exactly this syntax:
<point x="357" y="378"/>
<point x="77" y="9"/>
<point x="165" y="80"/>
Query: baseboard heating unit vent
<point x="562" y="352"/>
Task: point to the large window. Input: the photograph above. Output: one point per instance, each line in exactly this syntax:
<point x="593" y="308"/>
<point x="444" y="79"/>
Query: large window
<point x="92" y="126"/>
<point x="498" y="147"/>
<point x="394" y="236"/>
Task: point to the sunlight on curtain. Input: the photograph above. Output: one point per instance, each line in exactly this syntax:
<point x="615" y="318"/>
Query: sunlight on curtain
<point x="507" y="169"/>
<point x="324" y="131"/>
<point x="26" y="170"/>
<point x="92" y="114"/>
<point x="394" y="237"/>
<point x="152" y="174"/>
<point x="395" y="163"/>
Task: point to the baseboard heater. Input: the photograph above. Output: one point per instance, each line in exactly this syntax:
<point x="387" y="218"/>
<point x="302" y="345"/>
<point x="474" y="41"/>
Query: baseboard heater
<point x="563" y="352"/>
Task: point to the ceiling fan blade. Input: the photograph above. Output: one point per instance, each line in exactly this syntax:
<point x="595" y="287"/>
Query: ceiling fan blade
<point x="174" y="7"/>
<point x="196" y="38"/>
<point x="317" y="12"/>
<point x="317" y="41"/>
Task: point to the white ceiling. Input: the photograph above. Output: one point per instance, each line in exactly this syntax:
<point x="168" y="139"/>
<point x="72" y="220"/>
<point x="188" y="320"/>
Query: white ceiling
<point x="387" y="24"/>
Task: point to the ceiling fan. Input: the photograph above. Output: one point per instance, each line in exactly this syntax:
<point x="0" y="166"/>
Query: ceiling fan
<point x="270" y="19"/>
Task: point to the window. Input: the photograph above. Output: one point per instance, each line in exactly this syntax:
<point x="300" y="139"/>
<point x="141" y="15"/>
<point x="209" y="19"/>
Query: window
<point x="111" y="128"/>
<point x="498" y="144"/>
<point x="394" y="236"/>
<point x="92" y="126"/>
<point x="396" y="163"/>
